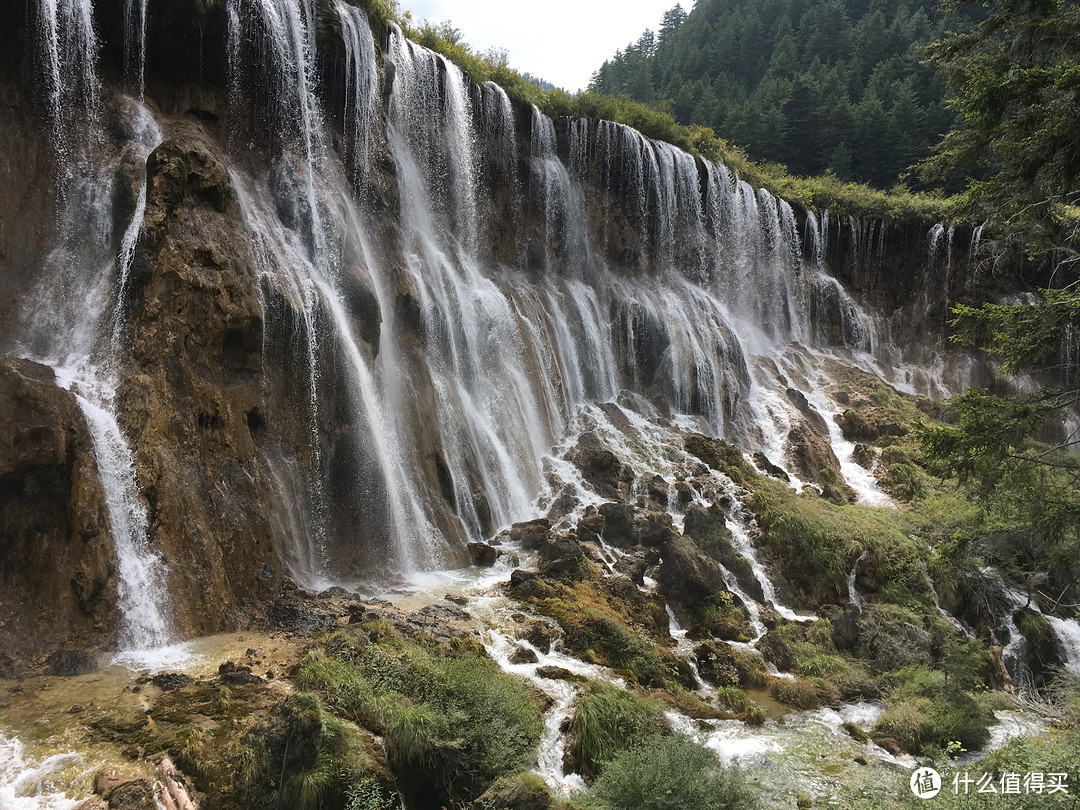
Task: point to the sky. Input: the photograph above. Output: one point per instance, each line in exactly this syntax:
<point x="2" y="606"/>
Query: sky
<point x="561" y="41"/>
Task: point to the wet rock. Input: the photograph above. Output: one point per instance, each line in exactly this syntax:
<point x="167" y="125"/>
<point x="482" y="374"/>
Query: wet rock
<point x="559" y="674"/>
<point x="600" y="467"/>
<point x="255" y="652"/>
<point x="687" y="574"/>
<point x="523" y="655"/>
<point x="95" y="803"/>
<point x="53" y="521"/>
<point x="864" y="455"/>
<point x="563" y="504"/>
<point x="890" y="745"/>
<point x="658" y="489"/>
<point x="68" y="663"/>
<point x="561" y="557"/>
<point x="653" y="529"/>
<point x="531" y="533"/>
<point x="769" y="468"/>
<point x="632" y="566"/>
<point x="299" y="618"/>
<point x="137" y="795"/>
<point x="482" y="554"/>
<point x="444" y="613"/>
<point x="171" y="681"/>
<point x="684" y="493"/>
<point x="717" y="454"/>
<point x="527" y="584"/>
<point x="336" y="592"/>
<point x="592" y="525"/>
<point x="816" y="420"/>
<point x="108" y="779"/>
<point x="618" y="524"/>
<point x="814" y="461"/>
<point x="236" y="675"/>
<point x="539" y="634"/>
<point x="457" y="599"/>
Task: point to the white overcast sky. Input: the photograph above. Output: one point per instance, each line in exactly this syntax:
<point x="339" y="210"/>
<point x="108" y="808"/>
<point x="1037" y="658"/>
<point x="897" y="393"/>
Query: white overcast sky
<point x="561" y="41"/>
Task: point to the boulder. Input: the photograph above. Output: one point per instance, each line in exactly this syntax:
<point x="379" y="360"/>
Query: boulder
<point x="600" y="467"/>
<point x="523" y="655"/>
<point x="482" y="554"/>
<point x="618" y="524"/>
<point x="300" y="618"/>
<point x="171" y="681"/>
<point x="653" y="529"/>
<point x="687" y="574"/>
<point x="531" y="533"/>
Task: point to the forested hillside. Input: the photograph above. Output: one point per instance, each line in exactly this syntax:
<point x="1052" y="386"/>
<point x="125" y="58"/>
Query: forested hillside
<point x="818" y="85"/>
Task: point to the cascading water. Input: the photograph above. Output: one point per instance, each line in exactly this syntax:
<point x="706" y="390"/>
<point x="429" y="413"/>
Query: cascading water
<point x="73" y="317"/>
<point x="505" y="348"/>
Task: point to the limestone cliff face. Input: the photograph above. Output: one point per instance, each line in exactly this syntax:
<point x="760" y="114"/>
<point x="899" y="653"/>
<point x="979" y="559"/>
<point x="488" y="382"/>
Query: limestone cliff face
<point x="244" y="382"/>
<point x="57" y="563"/>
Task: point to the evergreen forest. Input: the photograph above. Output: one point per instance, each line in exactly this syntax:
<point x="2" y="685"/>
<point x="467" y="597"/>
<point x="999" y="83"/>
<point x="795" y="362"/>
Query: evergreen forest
<point x="838" y="86"/>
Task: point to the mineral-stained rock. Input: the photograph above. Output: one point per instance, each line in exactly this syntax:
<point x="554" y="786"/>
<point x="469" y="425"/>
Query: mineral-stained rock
<point x="71" y="662"/>
<point x="687" y="574"/>
<point x="531" y="533"/>
<point x="171" y="681"/>
<point x="482" y="554"/>
<point x="56" y="549"/>
<point x="523" y="655"/>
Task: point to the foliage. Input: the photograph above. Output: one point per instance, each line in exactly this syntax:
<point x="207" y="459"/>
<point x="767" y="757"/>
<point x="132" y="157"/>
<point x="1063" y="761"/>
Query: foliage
<point x="1016" y="78"/>
<point x="1055" y="753"/>
<point x="926" y="713"/>
<point x="607" y="721"/>
<point x="816" y="542"/>
<point x="822" y="86"/>
<point x="827" y="190"/>
<point x="669" y="773"/>
<point x="452" y="724"/>
<point x="1026" y="489"/>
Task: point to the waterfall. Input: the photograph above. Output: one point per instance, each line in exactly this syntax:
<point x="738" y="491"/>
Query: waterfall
<point x="141" y="574"/>
<point x="361" y="89"/>
<point x="854" y="596"/>
<point x="73" y="316"/>
<point x="430" y="414"/>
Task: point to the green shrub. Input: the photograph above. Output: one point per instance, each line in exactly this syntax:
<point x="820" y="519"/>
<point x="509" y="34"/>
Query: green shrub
<point x="926" y="715"/>
<point x="608" y="720"/>
<point x="798" y="694"/>
<point x="669" y="773"/>
<point x="894" y="637"/>
<point x="452" y="724"/>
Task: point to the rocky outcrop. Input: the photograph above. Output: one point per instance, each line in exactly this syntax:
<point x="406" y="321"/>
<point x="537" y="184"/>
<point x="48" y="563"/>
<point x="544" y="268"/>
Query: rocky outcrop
<point x="56" y="551"/>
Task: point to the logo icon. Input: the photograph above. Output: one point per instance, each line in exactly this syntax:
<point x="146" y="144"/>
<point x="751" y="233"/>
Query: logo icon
<point x="925" y="783"/>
